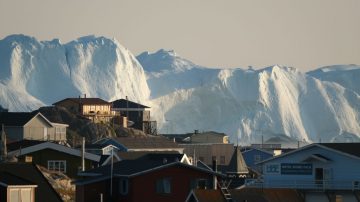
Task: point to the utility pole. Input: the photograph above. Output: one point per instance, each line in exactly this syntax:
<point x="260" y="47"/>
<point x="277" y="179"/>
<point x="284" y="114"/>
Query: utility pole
<point x="111" y="171"/>
<point x="83" y="155"/>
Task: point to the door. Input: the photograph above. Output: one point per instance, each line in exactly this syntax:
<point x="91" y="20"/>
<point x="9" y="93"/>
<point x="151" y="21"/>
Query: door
<point x="319" y="176"/>
<point x="45" y="133"/>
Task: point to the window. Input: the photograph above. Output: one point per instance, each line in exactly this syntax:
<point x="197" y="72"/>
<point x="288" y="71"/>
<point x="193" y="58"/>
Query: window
<point x="272" y="168"/>
<point x="124" y="186"/>
<point x="57" y="165"/>
<point x="201" y="158"/>
<point x="163" y="186"/>
<point x="222" y="160"/>
<point x="213" y="158"/>
<point x="199" y="183"/>
<point x="21" y="195"/>
<point x="257" y="158"/>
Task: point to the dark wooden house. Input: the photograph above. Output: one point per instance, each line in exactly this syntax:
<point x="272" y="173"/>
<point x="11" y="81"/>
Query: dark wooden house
<point x="54" y="157"/>
<point x="25" y="182"/>
<point x="144" y="179"/>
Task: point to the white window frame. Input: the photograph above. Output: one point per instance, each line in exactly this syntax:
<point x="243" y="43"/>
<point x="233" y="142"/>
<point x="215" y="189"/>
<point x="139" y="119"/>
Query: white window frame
<point x="52" y="163"/>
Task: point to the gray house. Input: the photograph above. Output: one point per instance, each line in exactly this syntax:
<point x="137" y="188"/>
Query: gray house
<point x="31" y="126"/>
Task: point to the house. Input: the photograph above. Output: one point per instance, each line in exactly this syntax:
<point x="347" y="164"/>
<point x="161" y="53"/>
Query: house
<point x="25" y="182"/>
<point x="207" y="152"/>
<point x="135" y="113"/>
<point x="31" y="126"/>
<point x="14" y="188"/>
<point x="95" y="109"/>
<point x="209" y="137"/>
<point x="252" y="156"/>
<point x="143" y="179"/>
<point x="54" y="157"/>
<point x="322" y="171"/>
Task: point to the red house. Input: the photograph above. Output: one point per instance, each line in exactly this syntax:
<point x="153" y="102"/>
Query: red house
<point x="150" y="178"/>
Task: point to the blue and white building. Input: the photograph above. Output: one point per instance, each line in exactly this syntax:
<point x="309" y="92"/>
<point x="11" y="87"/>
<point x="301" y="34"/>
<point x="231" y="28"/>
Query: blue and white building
<point x="317" y="168"/>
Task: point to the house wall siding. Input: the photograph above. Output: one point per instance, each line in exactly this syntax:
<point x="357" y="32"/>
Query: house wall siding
<point x="143" y="187"/>
<point x="207" y="151"/>
<point x="73" y="163"/>
<point x="339" y="172"/>
<point x="249" y="157"/>
<point x="207" y="138"/>
<point x="34" y="129"/>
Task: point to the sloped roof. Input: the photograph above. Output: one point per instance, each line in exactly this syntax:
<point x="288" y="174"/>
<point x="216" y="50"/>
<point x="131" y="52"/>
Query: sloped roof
<point x="122" y="103"/>
<point x="349" y="148"/>
<point x="8" y="179"/>
<point x="147" y="143"/>
<point x="142" y="165"/>
<point x="29" y="172"/>
<point x="86" y="101"/>
<point x="237" y="163"/>
<point x="56" y="147"/>
<point x="138" y="154"/>
<point x="206" y="195"/>
<point x="15" y="118"/>
<point x="22" y="144"/>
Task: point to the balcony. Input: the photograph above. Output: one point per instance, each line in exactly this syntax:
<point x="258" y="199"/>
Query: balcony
<point x="320" y="185"/>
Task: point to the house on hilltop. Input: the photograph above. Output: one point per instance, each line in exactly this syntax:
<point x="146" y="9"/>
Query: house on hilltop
<point x="95" y="109"/>
<point x="136" y="113"/>
<point x="31" y="126"/>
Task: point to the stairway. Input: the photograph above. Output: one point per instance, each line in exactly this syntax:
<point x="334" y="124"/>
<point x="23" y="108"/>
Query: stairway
<point x="225" y="191"/>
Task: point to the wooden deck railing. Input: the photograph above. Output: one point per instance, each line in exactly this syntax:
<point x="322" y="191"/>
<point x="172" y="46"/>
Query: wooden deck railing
<point x="305" y="184"/>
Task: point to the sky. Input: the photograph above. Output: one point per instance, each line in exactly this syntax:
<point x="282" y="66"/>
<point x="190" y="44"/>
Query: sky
<point x="305" y="34"/>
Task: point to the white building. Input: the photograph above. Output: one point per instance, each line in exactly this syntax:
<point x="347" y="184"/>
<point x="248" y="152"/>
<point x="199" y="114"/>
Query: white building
<point x="322" y="172"/>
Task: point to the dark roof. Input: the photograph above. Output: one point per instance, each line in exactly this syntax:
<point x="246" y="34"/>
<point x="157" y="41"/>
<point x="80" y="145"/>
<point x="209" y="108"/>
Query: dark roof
<point x="145" y="163"/>
<point x="349" y="148"/>
<point x="10" y="179"/>
<point x="264" y="195"/>
<point x="87" y="101"/>
<point x="22" y="144"/>
<point x="16" y="118"/>
<point x="210" y="133"/>
<point x="206" y="195"/>
<point x="122" y="103"/>
<point x="29" y="172"/>
<point x="157" y="142"/>
<point x="237" y="163"/>
<point x="138" y="154"/>
<point x="129" y="167"/>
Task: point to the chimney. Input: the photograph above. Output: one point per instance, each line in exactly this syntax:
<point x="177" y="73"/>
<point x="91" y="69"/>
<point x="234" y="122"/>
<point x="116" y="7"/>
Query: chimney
<point x="83" y="155"/>
<point x="84" y="95"/>
<point x="214" y="167"/>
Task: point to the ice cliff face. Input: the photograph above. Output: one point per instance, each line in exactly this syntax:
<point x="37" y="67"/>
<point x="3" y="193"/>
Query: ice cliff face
<point x="249" y="104"/>
<point x="35" y="73"/>
<point x="246" y="104"/>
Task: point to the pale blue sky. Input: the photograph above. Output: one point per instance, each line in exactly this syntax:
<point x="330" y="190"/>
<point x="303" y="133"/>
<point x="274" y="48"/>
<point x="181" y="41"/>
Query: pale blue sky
<point x="219" y="33"/>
